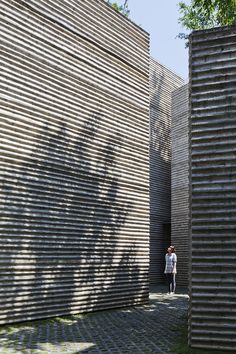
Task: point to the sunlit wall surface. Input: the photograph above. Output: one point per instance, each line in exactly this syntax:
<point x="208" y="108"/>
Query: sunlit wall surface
<point x="180" y="182"/>
<point x="162" y="83"/>
<point x="74" y="135"/>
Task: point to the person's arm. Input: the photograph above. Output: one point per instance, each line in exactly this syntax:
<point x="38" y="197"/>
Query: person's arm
<point x="165" y="265"/>
<point x="174" y="263"/>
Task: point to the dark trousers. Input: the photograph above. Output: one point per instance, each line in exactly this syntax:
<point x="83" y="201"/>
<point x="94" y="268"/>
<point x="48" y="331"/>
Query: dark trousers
<point x="171" y="282"/>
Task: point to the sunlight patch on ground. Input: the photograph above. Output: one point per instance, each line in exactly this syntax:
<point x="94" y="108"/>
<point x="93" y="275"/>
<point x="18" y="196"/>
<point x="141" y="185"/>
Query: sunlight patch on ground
<point x="63" y="347"/>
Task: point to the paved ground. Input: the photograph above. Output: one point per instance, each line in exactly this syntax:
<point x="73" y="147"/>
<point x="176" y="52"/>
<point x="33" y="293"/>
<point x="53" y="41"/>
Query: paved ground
<point x="141" y="330"/>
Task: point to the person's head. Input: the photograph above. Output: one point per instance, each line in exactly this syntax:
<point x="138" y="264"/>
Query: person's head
<point x="172" y="249"/>
<point x="169" y="250"/>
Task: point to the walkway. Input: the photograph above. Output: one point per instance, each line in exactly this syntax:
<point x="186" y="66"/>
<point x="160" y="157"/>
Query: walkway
<point x="141" y="330"/>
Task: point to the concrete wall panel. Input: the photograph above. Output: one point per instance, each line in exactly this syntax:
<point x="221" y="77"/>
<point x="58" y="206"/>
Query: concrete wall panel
<point x="180" y="182"/>
<point x="74" y="162"/>
<point x="213" y="189"/>
<point x="162" y="83"/>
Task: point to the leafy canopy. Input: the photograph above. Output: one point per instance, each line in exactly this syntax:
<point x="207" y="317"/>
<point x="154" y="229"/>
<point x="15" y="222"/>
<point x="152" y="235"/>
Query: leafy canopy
<point x="204" y="14"/>
<point x="120" y="8"/>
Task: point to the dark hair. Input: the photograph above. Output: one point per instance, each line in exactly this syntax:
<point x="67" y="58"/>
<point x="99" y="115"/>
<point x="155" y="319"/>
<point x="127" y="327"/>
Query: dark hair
<point x="172" y="249"/>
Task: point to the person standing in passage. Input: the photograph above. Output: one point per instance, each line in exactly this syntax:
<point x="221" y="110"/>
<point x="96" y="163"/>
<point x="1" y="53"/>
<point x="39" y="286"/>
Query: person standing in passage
<point x="175" y="270"/>
<point x="170" y="269"/>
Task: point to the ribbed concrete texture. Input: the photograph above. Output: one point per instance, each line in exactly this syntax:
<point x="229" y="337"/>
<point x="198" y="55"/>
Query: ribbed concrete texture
<point x="180" y="182"/>
<point x="162" y="83"/>
<point x="213" y="189"/>
<point x="74" y="159"/>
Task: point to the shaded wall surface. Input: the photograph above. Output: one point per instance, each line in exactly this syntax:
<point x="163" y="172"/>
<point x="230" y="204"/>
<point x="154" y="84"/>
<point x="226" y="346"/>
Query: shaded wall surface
<point x="213" y="189"/>
<point x="74" y="159"/>
<point x="162" y="83"/>
<point x="180" y="182"/>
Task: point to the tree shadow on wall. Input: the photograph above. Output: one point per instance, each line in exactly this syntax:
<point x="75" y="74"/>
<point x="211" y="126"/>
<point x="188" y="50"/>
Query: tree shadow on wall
<point x="64" y="213"/>
<point x="160" y="174"/>
<point x="161" y="122"/>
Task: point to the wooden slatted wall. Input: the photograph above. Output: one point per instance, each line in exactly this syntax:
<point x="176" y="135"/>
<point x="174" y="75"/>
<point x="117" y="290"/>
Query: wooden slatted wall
<point x="74" y="120"/>
<point x="162" y="83"/>
<point x="213" y="189"/>
<point x="180" y="182"/>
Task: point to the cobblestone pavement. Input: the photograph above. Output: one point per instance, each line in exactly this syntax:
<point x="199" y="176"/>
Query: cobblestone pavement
<point x="141" y="330"/>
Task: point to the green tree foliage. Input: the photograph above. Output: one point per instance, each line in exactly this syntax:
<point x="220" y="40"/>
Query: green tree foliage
<point x="204" y="14"/>
<point x="120" y="8"/>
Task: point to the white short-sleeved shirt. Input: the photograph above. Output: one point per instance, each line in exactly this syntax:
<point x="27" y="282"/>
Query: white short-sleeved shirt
<point x="170" y="263"/>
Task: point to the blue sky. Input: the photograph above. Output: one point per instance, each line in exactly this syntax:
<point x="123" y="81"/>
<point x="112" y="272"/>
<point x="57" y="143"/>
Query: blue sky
<point x="160" y="19"/>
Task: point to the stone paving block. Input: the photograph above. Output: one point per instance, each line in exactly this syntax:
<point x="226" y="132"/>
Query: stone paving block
<point x="150" y="329"/>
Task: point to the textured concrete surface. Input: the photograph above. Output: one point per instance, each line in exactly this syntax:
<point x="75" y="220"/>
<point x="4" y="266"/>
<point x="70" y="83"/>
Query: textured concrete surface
<point x="212" y="146"/>
<point x="153" y="328"/>
<point x="75" y="168"/>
